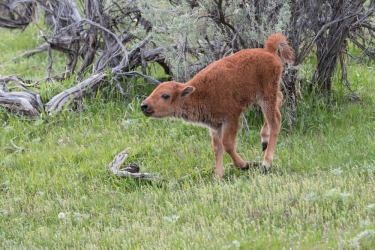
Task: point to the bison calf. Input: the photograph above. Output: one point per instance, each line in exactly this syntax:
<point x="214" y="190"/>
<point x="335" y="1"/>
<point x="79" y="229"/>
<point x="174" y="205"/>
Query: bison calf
<point x="217" y="96"/>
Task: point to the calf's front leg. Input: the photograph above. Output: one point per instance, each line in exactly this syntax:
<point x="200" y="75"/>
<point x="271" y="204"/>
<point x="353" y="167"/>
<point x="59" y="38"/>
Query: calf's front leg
<point x="218" y="151"/>
<point x="229" y="143"/>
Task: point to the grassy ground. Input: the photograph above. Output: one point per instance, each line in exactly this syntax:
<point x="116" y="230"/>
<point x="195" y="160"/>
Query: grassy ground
<point x="58" y="194"/>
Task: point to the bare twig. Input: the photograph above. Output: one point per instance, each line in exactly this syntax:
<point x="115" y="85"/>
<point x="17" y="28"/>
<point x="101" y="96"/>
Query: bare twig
<point x="344" y="76"/>
<point x="243" y="118"/>
<point x="100" y="27"/>
<point x="137" y="74"/>
<point x="14" y="145"/>
<point x="16" y="148"/>
<point x="18" y="80"/>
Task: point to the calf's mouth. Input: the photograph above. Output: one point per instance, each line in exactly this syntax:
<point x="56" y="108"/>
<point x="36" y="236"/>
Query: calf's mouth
<point x="148" y="113"/>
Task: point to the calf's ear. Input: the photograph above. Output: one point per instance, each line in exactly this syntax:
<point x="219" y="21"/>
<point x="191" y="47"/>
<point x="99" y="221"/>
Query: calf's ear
<point x="187" y="91"/>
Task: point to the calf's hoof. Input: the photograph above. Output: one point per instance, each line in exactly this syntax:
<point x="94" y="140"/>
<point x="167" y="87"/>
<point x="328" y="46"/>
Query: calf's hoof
<point x="219" y="175"/>
<point x="212" y="169"/>
<point x="248" y="165"/>
<point x="264" y="145"/>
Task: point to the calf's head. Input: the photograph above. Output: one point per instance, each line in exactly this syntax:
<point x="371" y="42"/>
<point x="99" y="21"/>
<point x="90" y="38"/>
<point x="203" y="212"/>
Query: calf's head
<point x="165" y="100"/>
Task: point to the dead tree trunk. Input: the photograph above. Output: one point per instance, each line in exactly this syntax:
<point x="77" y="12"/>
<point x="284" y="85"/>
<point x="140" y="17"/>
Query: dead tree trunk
<point x="328" y="51"/>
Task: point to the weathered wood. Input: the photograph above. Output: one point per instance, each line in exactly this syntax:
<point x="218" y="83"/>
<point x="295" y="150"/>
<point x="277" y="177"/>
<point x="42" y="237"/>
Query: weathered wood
<point x="21" y="14"/>
<point x="131" y="171"/>
<point x="75" y="93"/>
<point x="12" y="78"/>
<point x="27" y="101"/>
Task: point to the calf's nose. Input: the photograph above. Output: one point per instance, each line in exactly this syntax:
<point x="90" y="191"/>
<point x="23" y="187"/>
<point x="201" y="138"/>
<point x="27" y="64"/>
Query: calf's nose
<point x="144" y="107"/>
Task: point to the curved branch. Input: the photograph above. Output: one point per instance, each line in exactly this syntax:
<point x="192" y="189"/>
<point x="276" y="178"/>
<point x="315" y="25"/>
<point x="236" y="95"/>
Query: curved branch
<point x="100" y="27"/>
<point x="320" y="32"/>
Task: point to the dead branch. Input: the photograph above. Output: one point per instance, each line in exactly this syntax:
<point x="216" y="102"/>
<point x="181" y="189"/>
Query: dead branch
<point x="28" y="101"/>
<point x="17" y="80"/>
<point x="344" y="76"/>
<point x="29" y="53"/>
<point x="137" y="74"/>
<point x="16" y="148"/>
<point x="131" y="171"/>
<point x="75" y="93"/>
<point x="20" y="14"/>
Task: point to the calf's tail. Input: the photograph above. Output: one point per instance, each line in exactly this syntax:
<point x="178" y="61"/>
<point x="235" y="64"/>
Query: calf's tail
<point x="278" y="41"/>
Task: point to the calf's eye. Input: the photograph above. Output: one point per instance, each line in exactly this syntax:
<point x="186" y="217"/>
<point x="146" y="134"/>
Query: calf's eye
<point x="165" y="96"/>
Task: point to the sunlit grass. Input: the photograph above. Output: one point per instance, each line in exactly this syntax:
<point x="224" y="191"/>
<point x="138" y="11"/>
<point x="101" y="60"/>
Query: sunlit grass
<point x="56" y="193"/>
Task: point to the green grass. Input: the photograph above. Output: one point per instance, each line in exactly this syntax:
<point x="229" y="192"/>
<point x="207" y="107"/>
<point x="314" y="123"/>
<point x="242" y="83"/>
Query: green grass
<point x="15" y="43"/>
<point x="58" y="194"/>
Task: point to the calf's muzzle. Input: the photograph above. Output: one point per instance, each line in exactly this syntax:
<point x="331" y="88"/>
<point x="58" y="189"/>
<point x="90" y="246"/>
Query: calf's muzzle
<point x="144" y="107"/>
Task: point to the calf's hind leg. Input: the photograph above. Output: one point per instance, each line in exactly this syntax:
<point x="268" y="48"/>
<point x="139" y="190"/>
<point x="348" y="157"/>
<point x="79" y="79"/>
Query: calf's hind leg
<point x="271" y="112"/>
<point x="264" y="133"/>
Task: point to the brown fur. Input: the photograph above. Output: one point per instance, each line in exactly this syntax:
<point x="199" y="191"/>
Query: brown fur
<point x="218" y="95"/>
